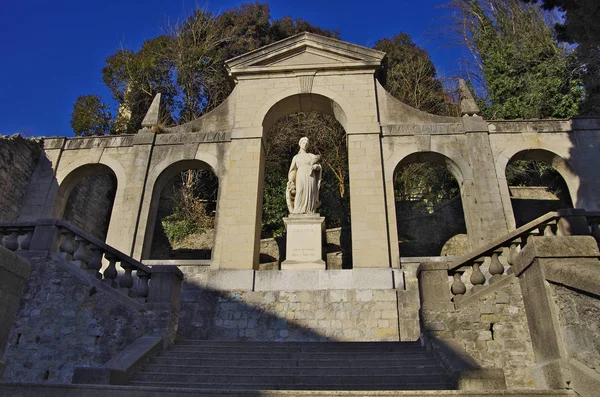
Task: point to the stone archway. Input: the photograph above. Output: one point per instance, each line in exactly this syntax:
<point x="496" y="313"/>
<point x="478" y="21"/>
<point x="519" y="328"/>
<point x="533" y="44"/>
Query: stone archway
<point x="302" y="72"/>
<point x="85" y="198"/>
<point x="423" y="230"/>
<point x="543" y="194"/>
<point x="166" y="177"/>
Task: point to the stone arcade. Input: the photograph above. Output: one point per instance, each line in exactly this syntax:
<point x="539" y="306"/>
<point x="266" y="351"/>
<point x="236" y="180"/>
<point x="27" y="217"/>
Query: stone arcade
<point x="518" y="311"/>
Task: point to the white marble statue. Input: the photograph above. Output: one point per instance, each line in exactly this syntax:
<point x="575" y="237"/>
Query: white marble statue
<point x="304" y="181"/>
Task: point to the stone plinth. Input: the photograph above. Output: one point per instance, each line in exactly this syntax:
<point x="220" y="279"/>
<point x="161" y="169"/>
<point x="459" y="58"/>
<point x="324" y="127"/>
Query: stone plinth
<point x="304" y="244"/>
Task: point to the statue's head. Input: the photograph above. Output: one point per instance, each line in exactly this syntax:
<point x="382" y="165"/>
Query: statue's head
<point x="303" y="142"/>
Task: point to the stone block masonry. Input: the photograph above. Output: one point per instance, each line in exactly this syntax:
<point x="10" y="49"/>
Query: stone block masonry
<point x="18" y="157"/>
<point x="492" y="329"/>
<point x="63" y="323"/>
<point x="321" y="315"/>
<point x="579" y="319"/>
<point x="90" y="204"/>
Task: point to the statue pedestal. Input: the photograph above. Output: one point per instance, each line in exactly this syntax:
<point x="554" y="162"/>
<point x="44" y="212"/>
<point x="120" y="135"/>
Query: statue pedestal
<point x="304" y="244"/>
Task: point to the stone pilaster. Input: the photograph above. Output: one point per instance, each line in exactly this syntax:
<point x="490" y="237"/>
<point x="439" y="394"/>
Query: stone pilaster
<point x="370" y="246"/>
<point x="241" y="205"/>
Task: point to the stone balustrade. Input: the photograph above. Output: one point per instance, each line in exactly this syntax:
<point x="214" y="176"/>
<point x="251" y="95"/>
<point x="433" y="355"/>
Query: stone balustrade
<point x="467" y="275"/>
<point x="16" y="236"/>
<point x="81" y="249"/>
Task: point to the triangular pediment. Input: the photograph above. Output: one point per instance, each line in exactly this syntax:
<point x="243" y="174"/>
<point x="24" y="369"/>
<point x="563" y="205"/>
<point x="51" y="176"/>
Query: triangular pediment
<point x="305" y="51"/>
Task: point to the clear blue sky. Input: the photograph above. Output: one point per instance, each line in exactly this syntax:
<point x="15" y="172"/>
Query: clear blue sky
<point x="54" y="51"/>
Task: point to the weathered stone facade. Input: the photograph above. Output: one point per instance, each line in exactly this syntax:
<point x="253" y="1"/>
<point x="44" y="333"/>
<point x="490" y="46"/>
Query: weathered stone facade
<point x="298" y="74"/>
<point x="492" y="329"/>
<point x="64" y="322"/>
<point x="426" y="234"/>
<point x="303" y="316"/>
<point x="579" y="319"/>
<point x="90" y="204"/>
<point x="18" y="158"/>
<point x="505" y="320"/>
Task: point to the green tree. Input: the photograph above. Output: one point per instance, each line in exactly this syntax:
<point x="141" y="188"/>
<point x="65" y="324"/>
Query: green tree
<point x="90" y="116"/>
<point x="134" y="78"/>
<point x="522" y="69"/>
<point x="426" y="184"/>
<point x="186" y="64"/>
<point x="580" y="26"/>
<point x="410" y="76"/>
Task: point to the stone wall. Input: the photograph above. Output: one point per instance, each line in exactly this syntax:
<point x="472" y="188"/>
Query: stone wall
<point x="318" y="315"/>
<point x="579" y="318"/>
<point x="425" y="235"/>
<point x="63" y="323"/>
<point x="90" y="204"/>
<point x="531" y="202"/>
<point x="18" y="157"/>
<point x="492" y="329"/>
<point x="13" y="272"/>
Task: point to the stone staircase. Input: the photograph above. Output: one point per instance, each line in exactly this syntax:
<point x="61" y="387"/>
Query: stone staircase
<point x="294" y="366"/>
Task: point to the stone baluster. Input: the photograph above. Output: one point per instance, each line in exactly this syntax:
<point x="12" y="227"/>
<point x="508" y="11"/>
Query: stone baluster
<point x="496" y="268"/>
<point x="477" y="278"/>
<point x="110" y="273"/>
<point x="12" y="242"/>
<point x="458" y="287"/>
<point x="126" y="280"/>
<point x="66" y="247"/>
<point x="512" y="252"/>
<point x="143" y="289"/>
<point x="546" y="230"/>
<point x="95" y="263"/>
<point x="26" y="243"/>
<point x="81" y="256"/>
<point x="595" y="229"/>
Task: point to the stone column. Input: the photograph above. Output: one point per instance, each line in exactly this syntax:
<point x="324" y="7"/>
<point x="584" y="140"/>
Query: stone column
<point x="484" y="213"/>
<point x="370" y="246"/>
<point x="241" y="205"/>
<point x="124" y="231"/>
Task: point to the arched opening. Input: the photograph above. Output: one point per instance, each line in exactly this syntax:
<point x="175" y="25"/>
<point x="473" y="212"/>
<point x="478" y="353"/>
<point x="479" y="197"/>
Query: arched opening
<point x="181" y="223"/>
<point x="429" y="210"/>
<point x="321" y="120"/>
<point x="85" y="199"/>
<point x="537" y="182"/>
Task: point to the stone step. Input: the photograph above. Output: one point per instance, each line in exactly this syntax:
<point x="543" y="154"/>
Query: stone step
<point x="291" y="381"/>
<point x="294" y="366"/>
<point x="407" y="369"/>
<point x="296" y="386"/>
<point x="262" y="355"/>
<point x="305" y="363"/>
<point x="303" y="349"/>
<point x="142" y="390"/>
<point x="266" y="344"/>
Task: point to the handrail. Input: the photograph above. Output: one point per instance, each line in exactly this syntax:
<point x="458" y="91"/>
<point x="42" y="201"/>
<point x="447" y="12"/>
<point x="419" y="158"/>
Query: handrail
<point x="502" y="241"/>
<point x="557" y="223"/>
<point x="104" y="246"/>
<point x="81" y="249"/>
